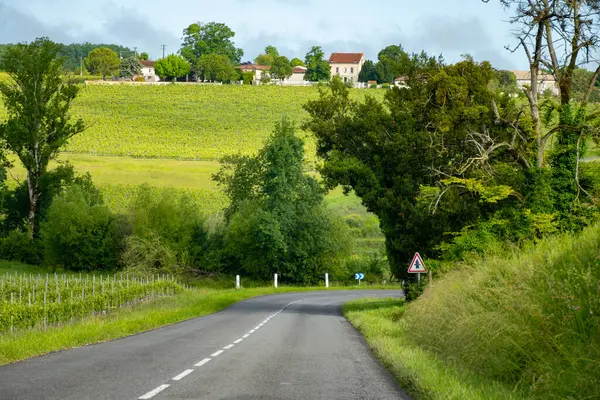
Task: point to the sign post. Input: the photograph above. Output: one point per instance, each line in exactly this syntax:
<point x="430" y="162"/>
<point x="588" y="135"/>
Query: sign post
<point x="359" y="276"/>
<point x="326" y="280"/>
<point x="417" y="266"/>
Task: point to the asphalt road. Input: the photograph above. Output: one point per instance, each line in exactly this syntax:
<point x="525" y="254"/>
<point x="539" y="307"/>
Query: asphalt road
<point x="289" y="346"/>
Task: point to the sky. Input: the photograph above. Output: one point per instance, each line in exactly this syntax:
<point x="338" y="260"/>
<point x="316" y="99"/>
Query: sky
<point x="447" y="27"/>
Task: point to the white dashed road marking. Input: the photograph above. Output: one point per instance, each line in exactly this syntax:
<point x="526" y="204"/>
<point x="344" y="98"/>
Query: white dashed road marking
<point x="185" y="373"/>
<point x="201" y="363"/>
<point x="154" y="392"/>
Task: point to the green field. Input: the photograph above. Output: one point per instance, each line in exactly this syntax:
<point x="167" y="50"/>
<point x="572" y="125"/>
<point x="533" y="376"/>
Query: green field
<point x="192" y="122"/>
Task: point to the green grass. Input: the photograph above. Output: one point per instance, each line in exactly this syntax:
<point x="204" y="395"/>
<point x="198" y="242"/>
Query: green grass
<point x="421" y="373"/>
<point x="185" y="121"/>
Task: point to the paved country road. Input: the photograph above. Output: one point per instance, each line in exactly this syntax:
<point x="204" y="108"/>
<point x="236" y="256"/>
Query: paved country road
<point x="288" y="346"/>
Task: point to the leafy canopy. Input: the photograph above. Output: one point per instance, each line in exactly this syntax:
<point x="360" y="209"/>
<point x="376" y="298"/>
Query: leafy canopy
<point x="172" y="67"/>
<point x="209" y="38"/>
<point x="317" y="67"/>
<point x="102" y="61"/>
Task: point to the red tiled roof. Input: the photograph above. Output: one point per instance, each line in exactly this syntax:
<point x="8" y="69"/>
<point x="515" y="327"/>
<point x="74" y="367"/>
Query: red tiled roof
<point x="147" y="63"/>
<point x="346" y="58"/>
<point x="300" y="70"/>
<point x="253" y="67"/>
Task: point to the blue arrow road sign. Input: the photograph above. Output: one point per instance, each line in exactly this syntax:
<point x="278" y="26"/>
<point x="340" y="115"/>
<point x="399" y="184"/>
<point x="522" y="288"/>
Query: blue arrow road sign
<point x="359" y="276"/>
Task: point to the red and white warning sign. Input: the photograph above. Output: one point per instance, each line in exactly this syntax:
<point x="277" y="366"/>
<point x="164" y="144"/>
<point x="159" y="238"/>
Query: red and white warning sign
<point x="417" y="266"/>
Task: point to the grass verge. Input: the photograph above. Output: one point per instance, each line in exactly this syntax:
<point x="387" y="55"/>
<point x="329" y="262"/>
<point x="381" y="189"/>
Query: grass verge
<point x="131" y="320"/>
<point x="419" y="372"/>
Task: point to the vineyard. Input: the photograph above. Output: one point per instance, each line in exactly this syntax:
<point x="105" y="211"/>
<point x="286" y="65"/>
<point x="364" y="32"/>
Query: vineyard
<point x="185" y="121"/>
<point x="38" y="301"/>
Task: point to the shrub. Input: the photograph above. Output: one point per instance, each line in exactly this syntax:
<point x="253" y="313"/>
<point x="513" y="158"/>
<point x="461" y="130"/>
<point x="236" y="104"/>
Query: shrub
<point x="17" y="247"/>
<point x="81" y="236"/>
<point x="385" y="85"/>
<point x="373" y="86"/>
<point x="139" y="79"/>
<point x="148" y="255"/>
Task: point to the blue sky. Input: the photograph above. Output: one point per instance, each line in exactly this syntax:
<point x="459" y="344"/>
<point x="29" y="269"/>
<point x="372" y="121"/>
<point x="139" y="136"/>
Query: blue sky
<point x="450" y="27"/>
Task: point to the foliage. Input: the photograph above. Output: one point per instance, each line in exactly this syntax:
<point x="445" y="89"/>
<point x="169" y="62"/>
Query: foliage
<point x="281" y="68"/>
<point x="80" y="235"/>
<point x="276" y="220"/>
<point x="507" y="82"/>
<point x="102" y="61"/>
<point x="38" y="102"/>
<point x="171" y="67"/>
<point x="74" y="53"/>
<point x="534" y="311"/>
<point x="248" y="77"/>
<point x="216" y="68"/>
<point x="209" y="38"/>
<point x="130" y="67"/>
<point x="432" y="160"/>
<point x="296" y="62"/>
<point x="393" y="61"/>
<point x="268" y="57"/>
<point x="143" y="56"/>
<point x="368" y="72"/>
<point x="16" y="246"/>
<point x="317" y="67"/>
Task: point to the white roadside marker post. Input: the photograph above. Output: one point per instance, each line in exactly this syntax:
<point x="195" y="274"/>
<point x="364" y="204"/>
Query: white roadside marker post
<point x="237" y="281"/>
<point x="326" y="280"/>
<point x="275" y="281"/>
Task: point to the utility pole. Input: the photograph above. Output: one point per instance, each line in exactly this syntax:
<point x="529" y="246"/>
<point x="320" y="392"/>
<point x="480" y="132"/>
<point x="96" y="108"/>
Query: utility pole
<point x="135" y="52"/>
<point x="81" y="58"/>
<point x="164" y="46"/>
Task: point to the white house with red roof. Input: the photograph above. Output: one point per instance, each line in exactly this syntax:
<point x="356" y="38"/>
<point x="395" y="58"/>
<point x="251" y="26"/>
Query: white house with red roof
<point x="347" y="65"/>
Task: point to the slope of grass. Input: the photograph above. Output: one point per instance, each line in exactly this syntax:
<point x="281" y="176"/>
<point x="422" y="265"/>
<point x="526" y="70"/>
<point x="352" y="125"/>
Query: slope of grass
<point x="421" y="373"/>
<point x="530" y="320"/>
<point x="185" y="121"/>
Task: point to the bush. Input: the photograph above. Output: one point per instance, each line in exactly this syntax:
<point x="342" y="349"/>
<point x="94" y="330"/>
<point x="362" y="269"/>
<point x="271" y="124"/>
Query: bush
<point x="81" y="236"/>
<point x="148" y="255"/>
<point x="385" y="85"/>
<point x="373" y="86"/>
<point x="375" y="266"/>
<point x="17" y="247"/>
<point x="139" y="79"/>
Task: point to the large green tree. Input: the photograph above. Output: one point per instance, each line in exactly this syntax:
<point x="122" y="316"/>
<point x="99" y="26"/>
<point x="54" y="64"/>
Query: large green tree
<point x="172" y="67"/>
<point x="216" y="68"/>
<point x="281" y="68"/>
<point x="38" y="101"/>
<point x="296" y="62"/>
<point x="318" y="68"/>
<point x="432" y="160"/>
<point x="368" y="72"/>
<point x="130" y="67"/>
<point x="276" y="219"/>
<point x="209" y="38"/>
<point x="393" y="62"/>
<point x="268" y="57"/>
<point x="103" y="61"/>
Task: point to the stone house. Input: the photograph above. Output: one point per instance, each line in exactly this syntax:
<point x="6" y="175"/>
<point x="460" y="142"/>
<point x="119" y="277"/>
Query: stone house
<point x="545" y="81"/>
<point x="346" y="65"/>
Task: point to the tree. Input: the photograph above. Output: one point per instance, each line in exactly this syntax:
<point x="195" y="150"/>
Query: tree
<point x="130" y="67"/>
<point x="296" y="62"/>
<point x="393" y="62"/>
<point x="143" y="56"/>
<point x="276" y="219"/>
<point x="75" y="53"/>
<point x="368" y="72"/>
<point x="38" y="101"/>
<point x="102" y="61"/>
<point x="430" y="160"/>
<point x="172" y="67"/>
<point x="268" y="57"/>
<point x="216" y="68"/>
<point x="558" y="36"/>
<point x="318" y="68"/>
<point x="281" y="68"/>
<point x="507" y="81"/>
<point x="209" y="38"/>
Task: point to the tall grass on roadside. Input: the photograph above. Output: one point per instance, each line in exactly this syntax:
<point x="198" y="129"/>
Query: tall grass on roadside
<point x="531" y="320"/>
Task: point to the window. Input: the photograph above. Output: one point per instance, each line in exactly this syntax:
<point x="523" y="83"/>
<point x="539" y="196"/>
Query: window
<point x="345" y="69"/>
<point x="352" y="70"/>
<point x="337" y="70"/>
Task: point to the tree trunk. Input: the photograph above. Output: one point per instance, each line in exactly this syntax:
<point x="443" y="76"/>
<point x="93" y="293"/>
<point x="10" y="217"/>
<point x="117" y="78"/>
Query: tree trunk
<point x="34" y="197"/>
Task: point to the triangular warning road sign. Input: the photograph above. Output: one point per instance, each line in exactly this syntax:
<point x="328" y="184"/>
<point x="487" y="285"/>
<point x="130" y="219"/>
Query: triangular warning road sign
<point x="417" y="266"/>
